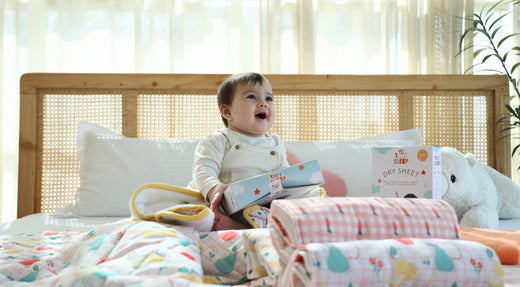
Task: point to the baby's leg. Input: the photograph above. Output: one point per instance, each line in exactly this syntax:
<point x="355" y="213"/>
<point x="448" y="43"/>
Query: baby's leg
<point x="222" y="221"/>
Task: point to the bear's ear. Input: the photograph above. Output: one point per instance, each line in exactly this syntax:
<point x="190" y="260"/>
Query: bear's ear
<point x="471" y="159"/>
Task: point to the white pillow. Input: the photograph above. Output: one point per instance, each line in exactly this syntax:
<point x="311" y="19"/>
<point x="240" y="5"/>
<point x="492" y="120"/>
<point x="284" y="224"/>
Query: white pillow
<point x="352" y="159"/>
<point x="113" y="166"/>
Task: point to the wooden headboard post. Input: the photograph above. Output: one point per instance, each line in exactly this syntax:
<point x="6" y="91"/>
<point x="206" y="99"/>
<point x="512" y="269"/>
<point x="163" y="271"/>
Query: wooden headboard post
<point x="28" y="198"/>
<point x="401" y="91"/>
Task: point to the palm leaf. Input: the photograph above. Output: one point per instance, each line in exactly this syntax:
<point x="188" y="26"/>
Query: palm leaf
<point x="482" y="31"/>
<point x="497" y="20"/>
<point x="510" y="109"/>
<point x="477" y="52"/>
<point x="507" y="37"/>
<point x="465" y="48"/>
<point x="493" y="33"/>
<point x="492" y="70"/>
<point x="504" y="58"/>
<point x="492" y="8"/>
<point x="514" y="151"/>
<point x="489" y="56"/>
<point x="464" y="36"/>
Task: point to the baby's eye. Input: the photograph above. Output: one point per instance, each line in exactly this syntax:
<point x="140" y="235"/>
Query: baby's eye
<point x="269" y="99"/>
<point x="251" y="96"/>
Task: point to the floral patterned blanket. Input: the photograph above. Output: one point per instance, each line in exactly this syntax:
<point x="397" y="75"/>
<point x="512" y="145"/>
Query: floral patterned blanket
<point x="394" y="262"/>
<point x="118" y="254"/>
<point x="137" y="253"/>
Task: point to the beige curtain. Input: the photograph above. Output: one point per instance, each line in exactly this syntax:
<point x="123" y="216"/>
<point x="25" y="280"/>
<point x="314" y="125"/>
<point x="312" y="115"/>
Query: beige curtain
<point x="216" y="36"/>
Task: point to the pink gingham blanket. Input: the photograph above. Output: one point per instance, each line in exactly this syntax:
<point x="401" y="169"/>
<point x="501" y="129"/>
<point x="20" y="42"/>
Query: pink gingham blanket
<point x="394" y="262"/>
<point x="320" y="220"/>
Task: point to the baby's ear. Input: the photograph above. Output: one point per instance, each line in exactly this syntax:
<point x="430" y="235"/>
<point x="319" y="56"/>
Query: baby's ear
<point x="225" y="112"/>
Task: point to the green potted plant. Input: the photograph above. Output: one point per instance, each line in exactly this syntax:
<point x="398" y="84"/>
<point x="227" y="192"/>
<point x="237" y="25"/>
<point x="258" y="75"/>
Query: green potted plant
<point x="488" y="25"/>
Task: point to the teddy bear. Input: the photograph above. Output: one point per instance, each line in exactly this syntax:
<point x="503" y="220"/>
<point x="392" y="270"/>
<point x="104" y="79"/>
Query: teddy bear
<point x="479" y="194"/>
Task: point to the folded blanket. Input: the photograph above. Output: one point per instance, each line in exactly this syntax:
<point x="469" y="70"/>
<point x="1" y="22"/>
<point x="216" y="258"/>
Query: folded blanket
<point x="301" y="221"/>
<point x="223" y="257"/>
<point x="239" y="256"/>
<point x="506" y="243"/>
<point x="394" y="262"/>
<point x="171" y="204"/>
<point x="262" y="259"/>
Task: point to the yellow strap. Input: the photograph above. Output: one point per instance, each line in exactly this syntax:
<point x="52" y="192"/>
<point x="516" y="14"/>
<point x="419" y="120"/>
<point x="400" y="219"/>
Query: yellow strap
<point x="247" y="211"/>
<point x="323" y="192"/>
<point x="172" y="213"/>
<point x="157" y="185"/>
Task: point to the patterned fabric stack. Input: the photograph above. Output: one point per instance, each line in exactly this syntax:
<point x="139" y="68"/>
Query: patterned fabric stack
<point x="377" y="242"/>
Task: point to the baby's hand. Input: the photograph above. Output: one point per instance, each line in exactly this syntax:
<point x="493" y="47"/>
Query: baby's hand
<point x="222" y="221"/>
<point x="214" y="192"/>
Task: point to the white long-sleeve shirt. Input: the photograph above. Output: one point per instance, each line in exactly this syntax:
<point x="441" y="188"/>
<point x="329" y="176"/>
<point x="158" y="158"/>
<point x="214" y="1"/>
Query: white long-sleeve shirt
<point x="226" y="155"/>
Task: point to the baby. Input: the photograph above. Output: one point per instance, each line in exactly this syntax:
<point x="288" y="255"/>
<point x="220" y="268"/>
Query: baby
<point x="242" y="148"/>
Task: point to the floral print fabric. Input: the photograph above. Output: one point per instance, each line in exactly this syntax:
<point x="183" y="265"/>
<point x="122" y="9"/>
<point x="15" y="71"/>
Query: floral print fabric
<point x="394" y="262"/>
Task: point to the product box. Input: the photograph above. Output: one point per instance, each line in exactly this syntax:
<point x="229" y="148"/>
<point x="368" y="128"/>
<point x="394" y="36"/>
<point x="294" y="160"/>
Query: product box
<point x="413" y="171"/>
<point x="264" y="188"/>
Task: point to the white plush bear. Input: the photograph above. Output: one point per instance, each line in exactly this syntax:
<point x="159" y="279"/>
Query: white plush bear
<point x="479" y="194"/>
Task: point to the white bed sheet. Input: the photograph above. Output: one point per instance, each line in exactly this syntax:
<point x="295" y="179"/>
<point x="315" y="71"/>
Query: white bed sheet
<point x="510" y="224"/>
<point x="512" y="273"/>
<point x="51" y="222"/>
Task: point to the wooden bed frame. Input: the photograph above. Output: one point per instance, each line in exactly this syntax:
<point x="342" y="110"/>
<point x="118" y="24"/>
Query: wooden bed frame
<point x="451" y="110"/>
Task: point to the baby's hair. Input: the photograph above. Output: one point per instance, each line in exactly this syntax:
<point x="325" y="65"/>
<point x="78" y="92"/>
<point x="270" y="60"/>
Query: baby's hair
<point x="227" y="88"/>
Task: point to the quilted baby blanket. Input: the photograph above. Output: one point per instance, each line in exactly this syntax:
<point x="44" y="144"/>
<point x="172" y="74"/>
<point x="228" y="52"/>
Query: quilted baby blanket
<point x="118" y="254"/>
<point x="139" y="253"/>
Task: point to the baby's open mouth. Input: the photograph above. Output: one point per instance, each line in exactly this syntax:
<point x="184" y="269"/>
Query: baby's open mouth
<point x="261" y="115"/>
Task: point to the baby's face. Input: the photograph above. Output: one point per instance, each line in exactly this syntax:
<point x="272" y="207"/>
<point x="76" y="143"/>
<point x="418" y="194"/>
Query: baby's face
<point x="252" y="111"/>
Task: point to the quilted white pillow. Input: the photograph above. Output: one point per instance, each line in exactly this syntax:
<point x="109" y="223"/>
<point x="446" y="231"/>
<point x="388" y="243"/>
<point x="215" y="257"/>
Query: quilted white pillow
<point x="113" y="166"/>
<point x="352" y="159"/>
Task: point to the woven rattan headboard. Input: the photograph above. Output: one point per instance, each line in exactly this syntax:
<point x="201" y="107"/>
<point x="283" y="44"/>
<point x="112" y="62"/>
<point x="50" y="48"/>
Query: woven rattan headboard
<point x="451" y="110"/>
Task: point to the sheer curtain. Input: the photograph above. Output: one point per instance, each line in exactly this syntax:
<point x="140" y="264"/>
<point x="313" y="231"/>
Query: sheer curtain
<point x="216" y="36"/>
